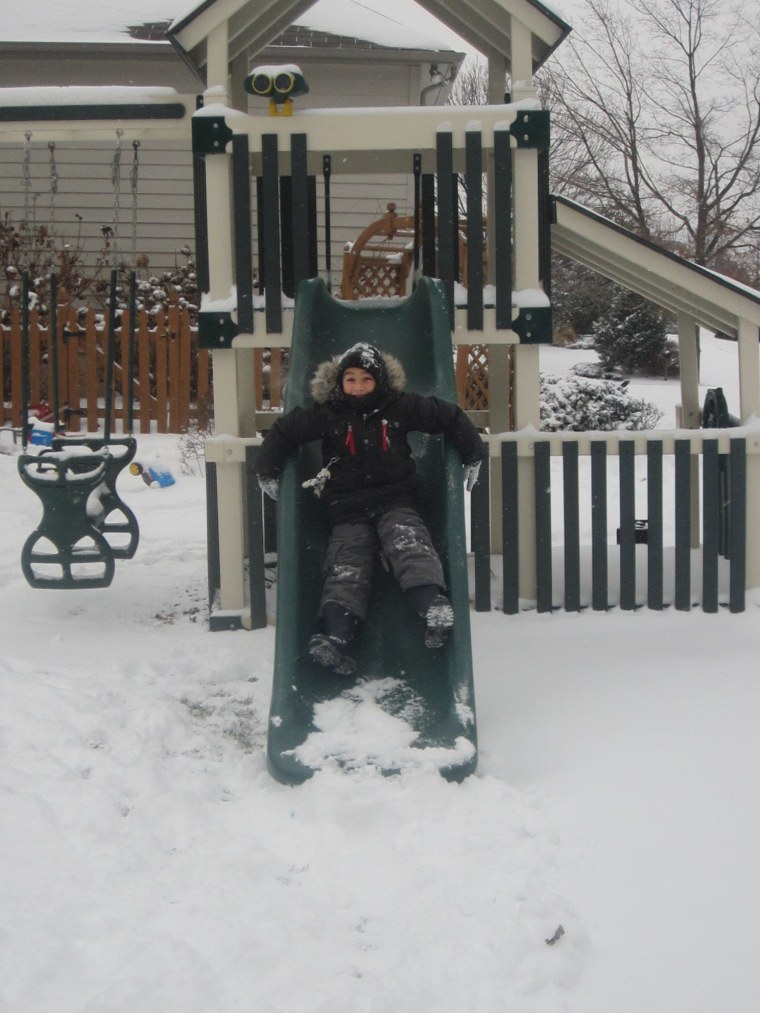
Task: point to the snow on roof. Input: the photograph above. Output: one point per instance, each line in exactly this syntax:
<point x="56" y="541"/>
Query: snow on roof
<point x="82" y="21"/>
<point x="400" y="24"/>
<point x="396" y="23"/>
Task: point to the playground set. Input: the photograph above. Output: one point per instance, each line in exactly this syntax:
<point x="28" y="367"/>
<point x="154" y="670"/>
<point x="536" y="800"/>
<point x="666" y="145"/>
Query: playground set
<point x="502" y="246"/>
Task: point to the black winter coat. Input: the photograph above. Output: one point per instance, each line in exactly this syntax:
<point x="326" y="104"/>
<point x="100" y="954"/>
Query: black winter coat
<point x="368" y="455"/>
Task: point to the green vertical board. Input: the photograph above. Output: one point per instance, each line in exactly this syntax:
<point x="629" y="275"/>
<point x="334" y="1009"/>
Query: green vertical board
<point x="269" y="216"/>
<point x="481" y="538"/>
<point x="543" y="503"/>
<point x="571" y="514"/>
<point x="683" y="525"/>
<point x="737" y="529"/>
<point x="474" y="183"/>
<point x="654" y="529"/>
<point x="599" y="578"/>
<point x="447" y="216"/>
<point x="626" y="459"/>
<point x="510" y="529"/>
<point x="710" y="524"/>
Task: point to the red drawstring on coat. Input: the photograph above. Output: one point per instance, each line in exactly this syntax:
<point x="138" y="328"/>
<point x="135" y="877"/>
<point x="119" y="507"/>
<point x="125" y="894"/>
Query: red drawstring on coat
<point x="350" y="442"/>
<point x="384" y="431"/>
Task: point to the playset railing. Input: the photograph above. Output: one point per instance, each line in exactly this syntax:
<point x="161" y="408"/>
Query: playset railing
<point x="574" y="533"/>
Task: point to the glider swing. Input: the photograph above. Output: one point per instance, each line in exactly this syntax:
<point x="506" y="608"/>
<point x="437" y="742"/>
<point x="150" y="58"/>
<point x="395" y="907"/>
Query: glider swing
<point x="85" y="525"/>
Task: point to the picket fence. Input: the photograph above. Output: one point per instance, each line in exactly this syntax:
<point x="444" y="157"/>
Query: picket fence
<point x="172" y="379"/>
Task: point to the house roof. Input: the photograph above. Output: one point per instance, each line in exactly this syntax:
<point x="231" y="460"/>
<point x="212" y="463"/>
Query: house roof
<point x="658" y="275"/>
<point x="92" y="22"/>
<point x="87" y="21"/>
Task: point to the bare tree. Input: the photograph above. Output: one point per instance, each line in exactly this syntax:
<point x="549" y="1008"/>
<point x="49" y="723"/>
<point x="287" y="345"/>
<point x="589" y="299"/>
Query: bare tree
<point x="656" y="122"/>
<point x="470" y="87"/>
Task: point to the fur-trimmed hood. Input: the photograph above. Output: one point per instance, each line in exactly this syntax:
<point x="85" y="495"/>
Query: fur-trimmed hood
<point x="325" y="380"/>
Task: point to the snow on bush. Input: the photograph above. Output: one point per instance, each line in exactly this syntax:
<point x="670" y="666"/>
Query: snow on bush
<point x="576" y="404"/>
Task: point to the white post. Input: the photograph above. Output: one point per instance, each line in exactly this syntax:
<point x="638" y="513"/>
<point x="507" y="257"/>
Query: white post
<point x="498" y="355"/>
<point x="688" y="358"/>
<point x="749" y="387"/>
<point x="229" y="474"/>
<point x="526" y="257"/>
<point x="749" y="370"/>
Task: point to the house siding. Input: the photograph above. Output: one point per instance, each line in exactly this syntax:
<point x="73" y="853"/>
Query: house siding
<point x="85" y="202"/>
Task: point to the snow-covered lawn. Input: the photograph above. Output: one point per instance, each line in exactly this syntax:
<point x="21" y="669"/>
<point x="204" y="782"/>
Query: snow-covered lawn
<point x="149" y="864"/>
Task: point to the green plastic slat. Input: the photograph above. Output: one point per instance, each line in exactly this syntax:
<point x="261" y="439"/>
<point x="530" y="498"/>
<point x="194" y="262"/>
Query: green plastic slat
<point x="428" y="225"/>
<point x="326" y="175"/>
<point x="241" y="196"/>
<point x="269" y="216"/>
<point x="474" y="181"/>
<point x="683" y="525"/>
<point x="543" y="500"/>
<point x="710" y="524"/>
<point x="599" y="578"/>
<point x="571" y="515"/>
<point x="510" y="529"/>
<point x="447" y="217"/>
<point x="256" y="581"/>
<point x="737" y="528"/>
<point x="503" y="228"/>
<point x="626" y="457"/>
<point x="654" y="534"/>
<point x="299" y="208"/>
<point x="481" y="538"/>
<point x="212" y="535"/>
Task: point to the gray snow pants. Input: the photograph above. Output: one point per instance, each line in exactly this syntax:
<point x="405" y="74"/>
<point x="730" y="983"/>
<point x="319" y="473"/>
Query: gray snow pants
<point x="405" y="546"/>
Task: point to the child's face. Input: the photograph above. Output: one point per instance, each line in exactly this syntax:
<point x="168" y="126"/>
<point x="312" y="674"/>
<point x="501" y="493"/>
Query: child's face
<point x="358" y="382"/>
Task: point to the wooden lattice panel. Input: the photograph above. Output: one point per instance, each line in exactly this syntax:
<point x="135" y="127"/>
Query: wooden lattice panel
<point x="472" y="377"/>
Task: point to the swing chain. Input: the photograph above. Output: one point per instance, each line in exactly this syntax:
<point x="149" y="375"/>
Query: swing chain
<point x="26" y="182"/>
<point x="133" y="182"/>
<point x="116" y="184"/>
<point x="54" y="178"/>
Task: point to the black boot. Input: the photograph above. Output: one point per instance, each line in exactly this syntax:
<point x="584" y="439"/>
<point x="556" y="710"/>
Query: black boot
<point x="435" y="608"/>
<point x="330" y="647"/>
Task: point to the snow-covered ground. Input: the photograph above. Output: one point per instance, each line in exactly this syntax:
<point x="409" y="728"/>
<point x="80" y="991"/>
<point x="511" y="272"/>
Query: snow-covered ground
<point x="149" y="864"/>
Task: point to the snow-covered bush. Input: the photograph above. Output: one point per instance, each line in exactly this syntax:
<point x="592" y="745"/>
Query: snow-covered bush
<point x="35" y="249"/>
<point x="633" y="337"/>
<point x="578" y="405"/>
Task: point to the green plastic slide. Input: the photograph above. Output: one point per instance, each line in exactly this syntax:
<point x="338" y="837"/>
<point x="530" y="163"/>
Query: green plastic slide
<point x="408" y="706"/>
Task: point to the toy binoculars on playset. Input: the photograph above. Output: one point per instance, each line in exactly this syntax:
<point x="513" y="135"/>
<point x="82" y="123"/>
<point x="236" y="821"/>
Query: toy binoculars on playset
<point x="279" y="84"/>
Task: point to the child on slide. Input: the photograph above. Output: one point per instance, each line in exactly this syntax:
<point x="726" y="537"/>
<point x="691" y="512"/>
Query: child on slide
<point x="369" y="486"/>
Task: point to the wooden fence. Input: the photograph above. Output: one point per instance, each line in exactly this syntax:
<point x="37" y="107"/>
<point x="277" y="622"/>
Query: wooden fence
<point x="172" y="379"/>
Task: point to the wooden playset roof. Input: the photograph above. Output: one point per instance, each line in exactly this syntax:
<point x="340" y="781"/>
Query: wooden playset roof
<point x="486" y="25"/>
<point x="669" y="281"/>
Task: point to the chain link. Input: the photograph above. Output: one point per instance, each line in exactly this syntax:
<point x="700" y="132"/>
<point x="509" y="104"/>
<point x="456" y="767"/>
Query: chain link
<point x="53" y="187"/>
<point x="134" y="177"/>
<point x="26" y="182"/>
<point x="116" y="184"/>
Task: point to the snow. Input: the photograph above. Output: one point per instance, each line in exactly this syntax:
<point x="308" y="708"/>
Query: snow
<point x="150" y="863"/>
<point x="396" y="23"/>
<point x="81" y="20"/>
<point x="385" y="22"/>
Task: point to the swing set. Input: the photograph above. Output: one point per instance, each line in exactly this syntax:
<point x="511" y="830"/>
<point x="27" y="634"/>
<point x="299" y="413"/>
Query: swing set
<point x="85" y="525"/>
